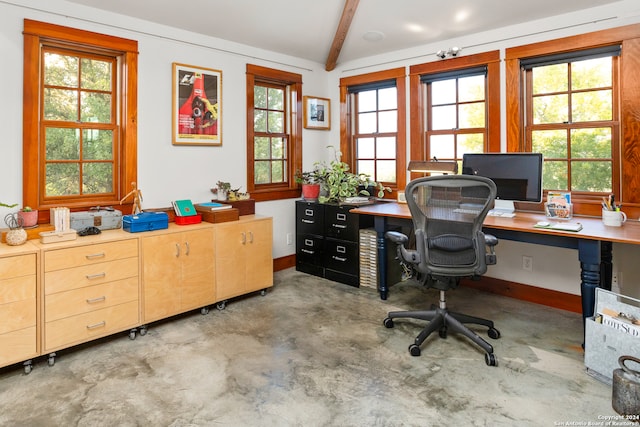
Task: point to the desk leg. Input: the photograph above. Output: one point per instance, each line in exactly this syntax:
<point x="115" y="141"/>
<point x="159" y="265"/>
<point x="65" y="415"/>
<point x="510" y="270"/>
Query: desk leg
<point x="380" y="225"/>
<point x="596" y="266"/>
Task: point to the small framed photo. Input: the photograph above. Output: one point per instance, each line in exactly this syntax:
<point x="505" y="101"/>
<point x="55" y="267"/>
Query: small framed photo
<point x="197" y="105"/>
<point x="317" y="112"/>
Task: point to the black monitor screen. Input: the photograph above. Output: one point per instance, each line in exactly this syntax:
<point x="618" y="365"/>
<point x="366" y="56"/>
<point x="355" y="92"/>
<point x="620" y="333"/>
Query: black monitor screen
<point x="518" y="176"/>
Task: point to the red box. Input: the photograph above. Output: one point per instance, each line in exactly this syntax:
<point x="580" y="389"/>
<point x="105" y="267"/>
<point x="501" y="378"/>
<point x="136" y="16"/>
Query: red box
<point x="191" y="219"/>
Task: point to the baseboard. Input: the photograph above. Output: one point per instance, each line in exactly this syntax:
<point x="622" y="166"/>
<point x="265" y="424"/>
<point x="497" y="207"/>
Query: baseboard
<point x="284" y="262"/>
<point x="529" y="293"/>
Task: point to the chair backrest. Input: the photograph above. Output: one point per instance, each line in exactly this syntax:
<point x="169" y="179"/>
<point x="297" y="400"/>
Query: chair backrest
<point x="448" y="212"/>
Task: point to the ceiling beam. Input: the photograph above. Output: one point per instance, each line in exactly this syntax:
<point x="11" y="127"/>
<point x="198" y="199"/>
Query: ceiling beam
<point x="350" y="7"/>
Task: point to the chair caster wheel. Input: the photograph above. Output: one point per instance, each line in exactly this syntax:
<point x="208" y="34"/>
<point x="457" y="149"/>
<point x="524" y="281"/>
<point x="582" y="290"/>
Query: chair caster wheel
<point x="493" y="333"/>
<point x="490" y="359"/>
<point x="414" y="350"/>
<point x="388" y="322"/>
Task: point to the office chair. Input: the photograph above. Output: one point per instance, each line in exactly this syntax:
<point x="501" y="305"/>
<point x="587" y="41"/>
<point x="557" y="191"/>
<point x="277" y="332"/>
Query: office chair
<point x="447" y="213"/>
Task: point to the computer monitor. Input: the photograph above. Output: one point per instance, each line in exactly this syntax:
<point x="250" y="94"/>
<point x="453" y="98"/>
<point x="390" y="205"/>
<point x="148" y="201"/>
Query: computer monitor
<point x="518" y="176"/>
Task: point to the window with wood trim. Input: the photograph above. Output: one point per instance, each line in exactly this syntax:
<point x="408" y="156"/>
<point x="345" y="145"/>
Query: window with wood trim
<point x="373" y="126"/>
<point x="456" y="103"/>
<point x="80" y="108"/>
<point x="274" y="132"/>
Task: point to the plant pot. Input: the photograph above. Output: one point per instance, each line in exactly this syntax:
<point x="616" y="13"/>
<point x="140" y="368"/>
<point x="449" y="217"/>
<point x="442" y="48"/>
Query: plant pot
<point x="29" y="219"/>
<point x="222" y="194"/>
<point x="310" y="191"/>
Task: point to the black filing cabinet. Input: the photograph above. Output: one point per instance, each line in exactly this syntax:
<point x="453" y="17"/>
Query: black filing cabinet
<point x="327" y="241"/>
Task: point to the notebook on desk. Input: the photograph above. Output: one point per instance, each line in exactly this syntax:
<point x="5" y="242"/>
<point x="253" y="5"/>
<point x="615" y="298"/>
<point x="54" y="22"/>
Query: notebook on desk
<point x="563" y="226"/>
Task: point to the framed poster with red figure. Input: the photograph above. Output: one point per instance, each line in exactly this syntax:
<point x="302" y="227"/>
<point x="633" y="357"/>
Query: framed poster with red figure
<point x="197" y="105"/>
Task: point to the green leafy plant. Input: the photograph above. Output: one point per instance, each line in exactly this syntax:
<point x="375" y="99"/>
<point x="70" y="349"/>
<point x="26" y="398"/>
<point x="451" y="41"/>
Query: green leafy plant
<point x="4" y="205"/>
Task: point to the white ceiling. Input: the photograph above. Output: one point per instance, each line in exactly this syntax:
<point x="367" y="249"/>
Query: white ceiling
<point x="306" y="28"/>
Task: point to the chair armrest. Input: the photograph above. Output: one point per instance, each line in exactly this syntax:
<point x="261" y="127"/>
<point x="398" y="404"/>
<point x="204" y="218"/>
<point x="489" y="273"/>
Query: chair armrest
<point x="490" y="240"/>
<point x="396" y="237"/>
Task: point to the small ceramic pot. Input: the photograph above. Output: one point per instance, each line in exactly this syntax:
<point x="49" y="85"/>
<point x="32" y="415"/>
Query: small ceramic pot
<point x="29" y="219"/>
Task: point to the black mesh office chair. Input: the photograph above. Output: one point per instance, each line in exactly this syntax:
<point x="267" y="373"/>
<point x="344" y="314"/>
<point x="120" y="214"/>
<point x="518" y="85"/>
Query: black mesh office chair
<point x="447" y="212"/>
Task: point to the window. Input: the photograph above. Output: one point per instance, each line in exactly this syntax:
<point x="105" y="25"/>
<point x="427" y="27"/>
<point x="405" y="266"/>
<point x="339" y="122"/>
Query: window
<point x="375" y="125"/>
<point x="565" y="98"/>
<point x="457" y="103"/>
<point x="274" y="139"/>
<point x="79" y="117"/>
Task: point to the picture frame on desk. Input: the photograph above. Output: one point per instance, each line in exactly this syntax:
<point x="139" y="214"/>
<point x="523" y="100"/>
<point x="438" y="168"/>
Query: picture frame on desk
<point x="196" y="105"/>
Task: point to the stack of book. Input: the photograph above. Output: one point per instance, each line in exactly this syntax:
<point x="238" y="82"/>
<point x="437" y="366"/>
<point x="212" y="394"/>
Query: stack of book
<point x="185" y="212"/>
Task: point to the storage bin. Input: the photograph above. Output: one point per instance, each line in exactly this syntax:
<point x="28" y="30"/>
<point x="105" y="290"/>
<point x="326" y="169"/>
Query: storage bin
<point x="145" y="221"/>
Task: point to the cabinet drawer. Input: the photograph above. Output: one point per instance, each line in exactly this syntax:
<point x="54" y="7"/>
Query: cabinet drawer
<point x="90" y="254"/>
<point x="16" y="266"/>
<point x="341" y="224"/>
<point x="17" y="346"/>
<point x="90" y="298"/>
<point x="309" y="249"/>
<point x="18" y="289"/>
<point x="95" y="324"/>
<point x="17" y="315"/>
<point x="73" y="278"/>
<point x="341" y="256"/>
<point x="309" y="218"/>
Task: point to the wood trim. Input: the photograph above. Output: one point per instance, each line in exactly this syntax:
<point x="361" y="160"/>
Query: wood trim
<point x="284" y="262"/>
<point x="348" y="12"/>
<point x="548" y="297"/>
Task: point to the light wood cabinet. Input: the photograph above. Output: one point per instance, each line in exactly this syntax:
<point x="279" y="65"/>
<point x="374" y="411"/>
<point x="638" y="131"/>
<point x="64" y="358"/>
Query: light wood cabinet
<point x="178" y="271"/>
<point x="18" y="307"/>
<point x="90" y="291"/>
<point x="244" y="261"/>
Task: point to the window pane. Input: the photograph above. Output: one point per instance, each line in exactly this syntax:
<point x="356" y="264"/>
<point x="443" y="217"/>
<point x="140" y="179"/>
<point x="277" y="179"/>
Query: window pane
<point x="60" y="70"/>
<point x="277" y="148"/>
<point x="61" y="105"/>
<point x="367" y="101"/>
<point x="388" y="99"/>
<point x="551" y="143"/>
<point x="261" y="173"/>
<point x="550" y="78"/>
<point x="259" y="120"/>
<point x="388" y="121"/>
<point x="276" y="99"/>
<point x="62" y="144"/>
<point x="554" y="175"/>
<point x="367" y="123"/>
<point x="365" y="148"/>
<point x="443" y="92"/>
<point x="260" y="97"/>
<point x="592" y="73"/>
<point x="386" y="148"/>
<point x="63" y="179"/>
<point x="367" y="167"/>
<point x="261" y="148"/>
<point x="591" y="143"/>
<point x="441" y="146"/>
<point x="97" y="144"/>
<point x="550" y="109"/>
<point x="95" y="107"/>
<point x="386" y="171"/>
<point x="591" y="106"/>
<point x="470" y="143"/>
<point x="443" y="117"/>
<point x="472" y="115"/>
<point x="591" y="176"/>
<point x="471" y="88"/>
<point x="96" y="74"/>
<point x="277" y="172"/>
<point x="97" y="178"/>
<point x="276" y="122"/>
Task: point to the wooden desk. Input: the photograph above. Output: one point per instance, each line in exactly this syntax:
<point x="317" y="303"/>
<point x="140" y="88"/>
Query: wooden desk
<point x="594" y="242"/>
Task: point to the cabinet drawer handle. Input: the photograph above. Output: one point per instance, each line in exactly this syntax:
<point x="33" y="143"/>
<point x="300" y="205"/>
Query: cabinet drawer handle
<point x="97" y="325"/>
<point x="95" y="276"/>
<point x="308" y="221"/>
<point x="186" y="244"/>
<point x="339" y="226"/>
<point x="177" y="250"/>
<point x="251" y="237"/>
<point x="95" y="300"/>
<point x="94" y="256"/>
<point x="244" y="238"/>
<point x="337" y="258"/>
<point x="307" y="251"/>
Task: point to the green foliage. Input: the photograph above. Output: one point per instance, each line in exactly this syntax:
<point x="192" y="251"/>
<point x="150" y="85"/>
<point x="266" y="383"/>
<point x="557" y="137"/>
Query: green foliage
<point x="4" y="205"/>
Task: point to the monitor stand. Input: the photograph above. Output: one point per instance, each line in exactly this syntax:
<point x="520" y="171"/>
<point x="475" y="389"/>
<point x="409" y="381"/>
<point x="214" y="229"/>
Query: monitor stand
<point x="503" y="208"/>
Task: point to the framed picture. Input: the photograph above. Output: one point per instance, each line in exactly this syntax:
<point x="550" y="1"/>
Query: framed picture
<point x="317" y="112"/>
<point x="197" y="105"/>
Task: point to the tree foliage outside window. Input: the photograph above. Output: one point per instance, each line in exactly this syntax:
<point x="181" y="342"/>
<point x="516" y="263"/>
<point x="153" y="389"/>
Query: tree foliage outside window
<point x="271" y="161"/>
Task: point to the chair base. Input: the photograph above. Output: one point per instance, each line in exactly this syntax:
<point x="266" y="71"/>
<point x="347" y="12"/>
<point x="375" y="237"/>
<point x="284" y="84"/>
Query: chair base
<point x="442" y="320"/>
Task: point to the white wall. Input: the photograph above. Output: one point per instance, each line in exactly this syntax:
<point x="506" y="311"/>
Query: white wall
<point x="167" y="172"/>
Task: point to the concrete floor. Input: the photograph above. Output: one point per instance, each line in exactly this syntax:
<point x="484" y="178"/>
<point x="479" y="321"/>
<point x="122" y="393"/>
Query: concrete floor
<point x="315" y="353"/>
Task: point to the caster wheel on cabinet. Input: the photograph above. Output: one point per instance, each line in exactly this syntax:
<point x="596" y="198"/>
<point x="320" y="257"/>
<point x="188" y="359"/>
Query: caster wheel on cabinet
<point x="52" y="359"/>
<point x="490" y="359"/>
<point x="204" y="310"/>
<point x="414" y="350"/>
<point x="142" y="331"/>
<point x="132" y="334"/>
<point x="28" y="367"/>
<point x="493" y="333"/>
<point x="388" y="322"/>
<point x="221" y="305"/>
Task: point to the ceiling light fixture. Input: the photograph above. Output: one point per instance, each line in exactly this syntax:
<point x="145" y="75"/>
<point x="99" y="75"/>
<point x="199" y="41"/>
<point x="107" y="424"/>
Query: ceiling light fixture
<point x="373" y="36"/>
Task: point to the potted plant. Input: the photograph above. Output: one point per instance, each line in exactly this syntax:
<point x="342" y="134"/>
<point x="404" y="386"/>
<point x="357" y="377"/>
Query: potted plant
<point x="341" y="183"/>
<point x="310" y="183"/>
<point x="29" y="216"/>
<point x="222" y="190"/>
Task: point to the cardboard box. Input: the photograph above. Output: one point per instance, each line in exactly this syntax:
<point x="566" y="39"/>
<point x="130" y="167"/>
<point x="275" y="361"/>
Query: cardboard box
<point x="245" y="207"/>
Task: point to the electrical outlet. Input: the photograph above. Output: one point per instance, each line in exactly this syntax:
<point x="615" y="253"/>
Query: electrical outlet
<point x="527" y="263"/>
<point x="616" y="279"/>
<point x="289" y="239"/>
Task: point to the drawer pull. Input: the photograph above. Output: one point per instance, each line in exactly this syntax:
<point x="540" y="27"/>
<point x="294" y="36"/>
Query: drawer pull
<point x="308" y="221"/>
<point x="337" y="258"/>
<point x="95" y="276"/>
<point x="188" y="248"/>
<point x="251" y="237"/>
<point x="244" y="238"/>
<point x="307" y="251"/>
<point x="177" y="250"/>
<point x="94" y="256"/>
<point x="339" y="226"/>
<point x="97" y="325"/>
<point x="95" y="300"/>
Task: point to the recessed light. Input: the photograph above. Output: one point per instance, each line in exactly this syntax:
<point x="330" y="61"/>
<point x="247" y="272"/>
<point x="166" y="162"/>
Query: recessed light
<point x="373" y="36"/>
